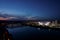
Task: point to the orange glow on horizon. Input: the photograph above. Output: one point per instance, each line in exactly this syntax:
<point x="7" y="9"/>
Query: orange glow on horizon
<point x="8" y="18"/>
<point x="1" y="18"/>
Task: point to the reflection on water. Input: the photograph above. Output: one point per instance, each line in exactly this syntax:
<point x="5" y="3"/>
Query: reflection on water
<point x="29" y="32"/>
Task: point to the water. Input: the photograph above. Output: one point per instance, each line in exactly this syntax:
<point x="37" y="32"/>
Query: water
<point x="23" y="33"/>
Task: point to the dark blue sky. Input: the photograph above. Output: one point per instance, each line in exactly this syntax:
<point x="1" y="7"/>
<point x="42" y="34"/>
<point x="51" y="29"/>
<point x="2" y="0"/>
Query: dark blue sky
<point x="42" y="8"/>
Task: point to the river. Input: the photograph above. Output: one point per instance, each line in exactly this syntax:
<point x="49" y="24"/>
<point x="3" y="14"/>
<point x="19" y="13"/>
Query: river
<point x="23" y="33"/>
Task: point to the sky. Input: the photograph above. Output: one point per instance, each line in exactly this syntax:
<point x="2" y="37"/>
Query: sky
<point x="41" y="8"/>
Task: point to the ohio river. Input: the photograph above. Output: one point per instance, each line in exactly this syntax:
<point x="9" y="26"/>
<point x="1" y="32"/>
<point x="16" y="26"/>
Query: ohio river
<point x="23" y="33"/>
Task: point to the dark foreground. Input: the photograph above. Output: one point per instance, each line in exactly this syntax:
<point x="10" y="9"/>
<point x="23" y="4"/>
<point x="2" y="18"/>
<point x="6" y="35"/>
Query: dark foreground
<point x="31" y="33"/>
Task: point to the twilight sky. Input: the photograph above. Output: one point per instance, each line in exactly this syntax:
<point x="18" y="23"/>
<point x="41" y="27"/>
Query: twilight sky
<point x="41" y="8"/>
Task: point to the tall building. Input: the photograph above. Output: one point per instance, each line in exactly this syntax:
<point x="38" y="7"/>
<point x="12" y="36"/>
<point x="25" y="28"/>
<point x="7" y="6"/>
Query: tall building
<point x="53" y="24"/>
<point x="56" y="23"/>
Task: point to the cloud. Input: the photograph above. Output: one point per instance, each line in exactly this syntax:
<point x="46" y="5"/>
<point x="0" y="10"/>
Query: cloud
<point x="2" y="18"/>
<point x="8" y="18"/>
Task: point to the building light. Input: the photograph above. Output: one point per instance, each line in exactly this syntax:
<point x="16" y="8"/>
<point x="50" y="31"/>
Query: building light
<point x="40" y="23"/>
<point x="8" y="39"/>
<point x="47" y="23"/>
